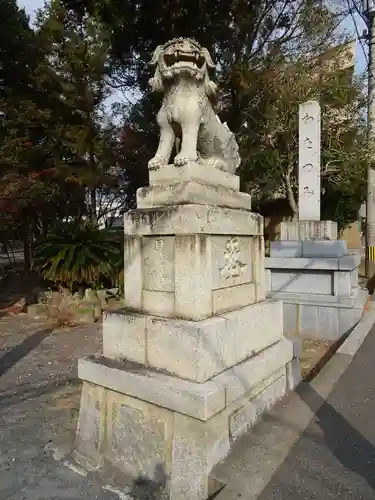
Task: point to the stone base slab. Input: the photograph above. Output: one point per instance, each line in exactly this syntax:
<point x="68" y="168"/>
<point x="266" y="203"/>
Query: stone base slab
<point x="316" y="317"/>
<point x="308" y="230"/>
<point x="192" y="219"/>
<point x="344" y="263"/>
<point x="144" y="439"/>
<point x="193" y="350"/>
<point x="195" y="172"/>
<point x="308" y="249"/>
<point x="330" y="278"/>
<point x="191" y="192"/>
<point x="197" y="400"/>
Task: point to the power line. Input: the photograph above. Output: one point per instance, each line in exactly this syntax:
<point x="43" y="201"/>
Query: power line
<point x="359" y="36"/>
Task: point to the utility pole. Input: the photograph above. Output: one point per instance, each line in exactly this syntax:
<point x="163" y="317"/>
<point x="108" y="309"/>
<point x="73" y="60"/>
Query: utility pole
<point x="369" y="11"/>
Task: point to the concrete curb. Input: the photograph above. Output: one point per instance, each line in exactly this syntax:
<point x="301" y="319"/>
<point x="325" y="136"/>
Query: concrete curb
<point x="360" y="332"/>
<point x="257" y="456"/>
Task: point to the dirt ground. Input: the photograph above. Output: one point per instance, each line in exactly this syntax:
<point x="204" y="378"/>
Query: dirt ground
<point x="39" y="402"/>
<point x="313" y="353"/>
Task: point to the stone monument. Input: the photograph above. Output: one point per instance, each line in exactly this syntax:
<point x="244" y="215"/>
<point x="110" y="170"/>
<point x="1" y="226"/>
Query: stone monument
<point x="197" y="353"/>
<point x="308" y="268"/>
<point x="309" y="226"/>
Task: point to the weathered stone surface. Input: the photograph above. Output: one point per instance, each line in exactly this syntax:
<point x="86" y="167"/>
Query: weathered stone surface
<point x="290" y="319"/>
<point x="286" y="249"/>
<point x="192" y="219"/>
<point x="200" y="401"/>
<point x="245" y="417"/>
<point x="193" y="273"/>
<point x="318" y="299"/>
<point x="342" y="284"/>
<point x="293" y="374"/>
<point x="138" y="436"/>
<point x="124" y="336"/>
<point x="231" y="261"/>
<point x="158" y="263"/>
<point x="308" y="230"/>
<point x="133" y="272"/>
<point x="89" y="436"/>
<point x="324" y="248"/>
<point x="234" y="297"/>
<point x="194" y="171"/>
<point x="224" y="272"/>
<point x="191" y="192"/>
<point x="243" y="377"/>
<point x="308" y="249"/>
<point x="197" y="351"/>
<point x="328" y="263"/>
<point x="322" y="319"/>
<point x="304" y="282"/>
<point x="309" y="161"/>
<point x="159" y="303"/>
<point x="172" y="449"/>
<point x="349" y="262"/>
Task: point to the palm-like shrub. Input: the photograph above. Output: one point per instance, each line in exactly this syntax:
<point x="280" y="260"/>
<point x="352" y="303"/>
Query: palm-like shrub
<point x="78" y="254"/>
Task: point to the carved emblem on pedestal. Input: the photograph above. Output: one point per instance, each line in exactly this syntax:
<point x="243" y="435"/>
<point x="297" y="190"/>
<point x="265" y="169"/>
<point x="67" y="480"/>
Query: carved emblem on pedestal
<point x="233" y="266"/>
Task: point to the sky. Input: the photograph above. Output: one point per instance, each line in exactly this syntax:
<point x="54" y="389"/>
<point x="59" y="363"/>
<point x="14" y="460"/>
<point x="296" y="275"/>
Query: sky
<point x="31" y="5"/>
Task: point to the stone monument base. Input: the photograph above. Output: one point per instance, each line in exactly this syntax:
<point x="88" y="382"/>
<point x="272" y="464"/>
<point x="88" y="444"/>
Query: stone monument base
<point x="192" y="350"/>
<point x="308" y="230"/>
<point x="169" y="431"/>
<point x="318" y="284"/>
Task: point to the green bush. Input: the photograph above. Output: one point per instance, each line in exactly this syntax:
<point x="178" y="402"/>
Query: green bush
<point x="78" y="254"/>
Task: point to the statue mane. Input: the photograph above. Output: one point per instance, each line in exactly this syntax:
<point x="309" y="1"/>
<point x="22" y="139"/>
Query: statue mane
<point x="164" y="77"/>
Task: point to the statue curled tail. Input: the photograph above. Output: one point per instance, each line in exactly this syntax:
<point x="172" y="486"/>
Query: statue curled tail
<point x="220" y="150"/>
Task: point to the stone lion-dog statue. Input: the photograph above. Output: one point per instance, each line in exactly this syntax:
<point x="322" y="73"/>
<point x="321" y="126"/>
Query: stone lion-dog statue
<point x="187" y="116"/>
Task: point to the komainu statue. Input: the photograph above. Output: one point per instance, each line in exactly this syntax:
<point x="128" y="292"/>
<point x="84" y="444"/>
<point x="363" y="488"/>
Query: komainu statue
<point x="181" y="73"/>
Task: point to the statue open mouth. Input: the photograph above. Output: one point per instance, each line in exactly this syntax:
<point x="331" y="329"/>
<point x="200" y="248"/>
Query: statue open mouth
<point x="181" y="58"/>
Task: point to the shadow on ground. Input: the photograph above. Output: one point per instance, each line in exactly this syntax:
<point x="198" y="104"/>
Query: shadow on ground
<point x="348" y="445"/>
<point x="15" y="354"/>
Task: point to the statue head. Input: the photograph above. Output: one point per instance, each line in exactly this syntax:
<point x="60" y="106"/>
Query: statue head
<point x="181" y="58"/>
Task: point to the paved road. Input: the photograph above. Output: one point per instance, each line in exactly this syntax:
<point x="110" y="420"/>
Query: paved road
<point x="335" y="456"/>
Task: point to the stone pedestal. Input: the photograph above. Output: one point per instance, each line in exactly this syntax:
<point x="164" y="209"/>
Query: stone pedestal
<point x="197" y="353"/>
<point x="308" y="230"/>
<point x="318" y="284"/>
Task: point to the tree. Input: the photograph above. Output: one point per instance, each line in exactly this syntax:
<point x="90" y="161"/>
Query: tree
<point x="54" y="148"/>
<point x="266" y="53"/>
<point x="270" y="147"/>
<point x="77" y="50"/>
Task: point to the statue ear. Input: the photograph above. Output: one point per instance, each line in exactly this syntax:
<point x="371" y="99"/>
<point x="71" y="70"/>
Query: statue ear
<point x="156" y="55"/>
<point x="207" y="56"/>
<point x="156" y="82"/>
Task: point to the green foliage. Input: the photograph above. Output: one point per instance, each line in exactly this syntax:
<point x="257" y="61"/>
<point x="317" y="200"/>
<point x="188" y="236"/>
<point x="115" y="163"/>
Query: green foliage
<point x="270" y="57"/>
<point x="79" y="254"/>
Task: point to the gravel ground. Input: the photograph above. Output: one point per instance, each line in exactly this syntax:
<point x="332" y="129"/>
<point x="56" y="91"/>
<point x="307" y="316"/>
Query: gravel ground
<point x="39" y="402"/>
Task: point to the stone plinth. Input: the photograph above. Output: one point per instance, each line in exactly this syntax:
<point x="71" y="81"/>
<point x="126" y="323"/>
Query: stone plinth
<point x="193" y="172"/>
<point x="151" y="425"/>
<point x="192" y="184"/>
<point x="308" y="230"/>
<point x="318" y="284"/>
<point x="197" y="353"/>
<point x="193" y="350"/>
<point x="169" y="253"/>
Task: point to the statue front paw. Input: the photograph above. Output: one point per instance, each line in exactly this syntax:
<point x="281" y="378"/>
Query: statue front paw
<point x="156" y="162"/>
<point x="181" y="160"/>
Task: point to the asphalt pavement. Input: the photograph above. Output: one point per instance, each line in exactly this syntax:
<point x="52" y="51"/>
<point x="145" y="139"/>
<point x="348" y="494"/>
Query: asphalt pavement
<point x="335" y="456"/>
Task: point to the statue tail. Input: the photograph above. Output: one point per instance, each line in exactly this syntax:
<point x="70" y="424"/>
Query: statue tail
<point x="231" y="151"/>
